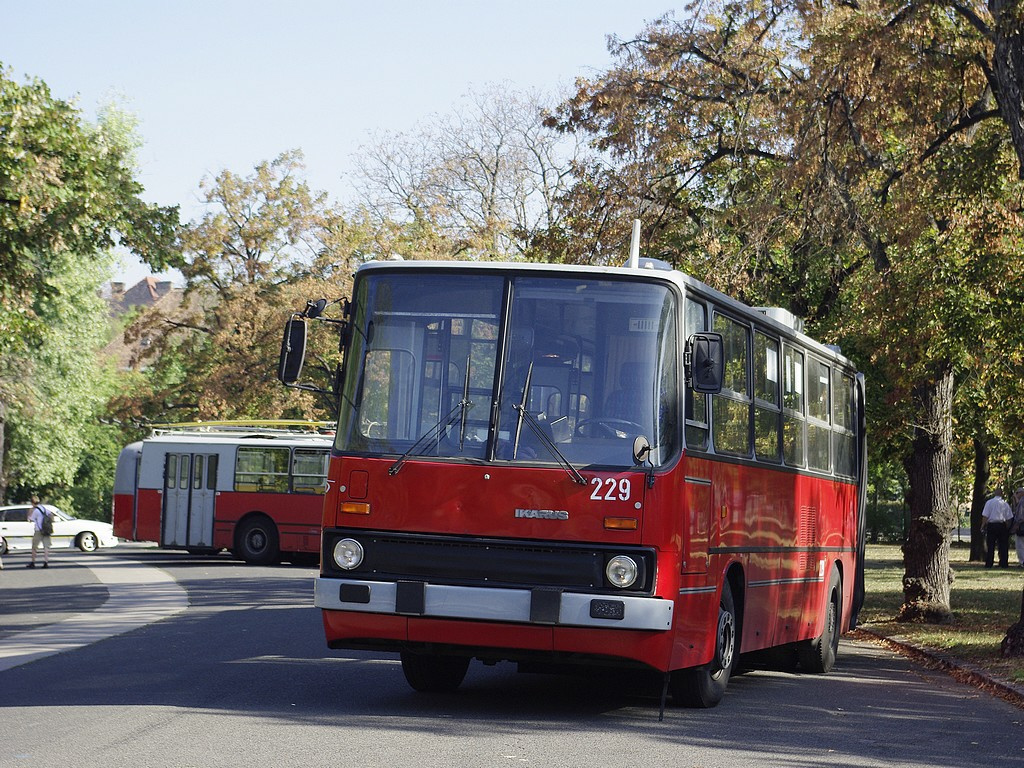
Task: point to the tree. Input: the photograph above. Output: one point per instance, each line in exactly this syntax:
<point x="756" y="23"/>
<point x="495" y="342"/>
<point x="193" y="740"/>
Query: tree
<point x="60" y="391"/>
<point x="478" y="183"/>
<point x="68" y="192"/>
<point x="266" y="245"/>
<point x="845" y="161"/>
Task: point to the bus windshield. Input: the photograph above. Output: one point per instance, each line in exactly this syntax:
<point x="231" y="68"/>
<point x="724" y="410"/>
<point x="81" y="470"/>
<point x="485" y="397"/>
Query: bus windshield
<point x="578" y="370"/>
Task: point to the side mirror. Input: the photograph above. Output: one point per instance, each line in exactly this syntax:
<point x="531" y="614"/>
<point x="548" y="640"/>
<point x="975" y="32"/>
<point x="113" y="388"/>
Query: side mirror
<point x="705" y="362"/>
<point x="315" y="308"/>
<point x="293" y="351"/>
<point x="641" y="450"/>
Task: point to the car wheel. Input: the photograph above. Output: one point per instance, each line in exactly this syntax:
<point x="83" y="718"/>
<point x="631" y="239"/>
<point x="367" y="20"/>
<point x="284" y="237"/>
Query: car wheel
<point x="87" y="541"/>
<point x="3" y="546"/>
<point x="257" y="542"/>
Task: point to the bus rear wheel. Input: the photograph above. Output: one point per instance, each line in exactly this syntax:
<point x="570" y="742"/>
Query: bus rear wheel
<point x="705" y="686"/>
<point x="429" y="673"/>
<point x="257" y="542"/>
<point x="819" y="655"/>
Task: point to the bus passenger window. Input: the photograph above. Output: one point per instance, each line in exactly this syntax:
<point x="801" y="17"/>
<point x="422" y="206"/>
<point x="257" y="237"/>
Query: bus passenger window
<point x="730" y="411"/>
<point x="766" y="397"/>
<point x="793" y="407"/>
<point x="843" y="425"/>
<point x="819" y="434"/>
<point x="262" y="469"/>
<point x="309" y="471"/>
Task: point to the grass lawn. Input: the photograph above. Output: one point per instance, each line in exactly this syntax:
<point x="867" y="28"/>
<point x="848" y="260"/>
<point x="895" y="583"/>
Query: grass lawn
<point x="985" y="602"/>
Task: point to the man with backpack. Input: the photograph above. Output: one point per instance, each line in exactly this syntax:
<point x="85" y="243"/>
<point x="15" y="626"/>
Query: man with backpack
<point x="42" y="520"/>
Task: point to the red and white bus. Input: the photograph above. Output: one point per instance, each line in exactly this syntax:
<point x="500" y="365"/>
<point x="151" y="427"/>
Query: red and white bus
<point x="256" y="491"/>
<point x="561" y="464"/>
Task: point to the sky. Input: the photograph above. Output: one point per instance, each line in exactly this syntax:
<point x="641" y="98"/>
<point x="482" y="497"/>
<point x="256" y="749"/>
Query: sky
<point x="224" y="84"/>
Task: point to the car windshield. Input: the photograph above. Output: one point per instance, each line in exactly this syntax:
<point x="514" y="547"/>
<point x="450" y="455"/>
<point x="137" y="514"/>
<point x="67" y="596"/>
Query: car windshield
<point x="579" y="369"/>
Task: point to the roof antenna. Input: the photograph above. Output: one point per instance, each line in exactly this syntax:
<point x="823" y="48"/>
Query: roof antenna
<point x="634" y="246"/>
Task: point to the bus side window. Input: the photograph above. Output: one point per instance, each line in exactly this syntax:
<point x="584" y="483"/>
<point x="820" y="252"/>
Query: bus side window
<point x="696" y="402"/>
<point x="309" y="470"/>
<point x="767" y="410"/>
<point x="793" y="407"/>
<point x="842" y="423"/>
<point x="819" y="432"/>
<point x="730" y="411"/>
<point x="262" y="469"/>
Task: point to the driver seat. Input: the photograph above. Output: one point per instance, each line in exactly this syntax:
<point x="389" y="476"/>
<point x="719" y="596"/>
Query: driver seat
<point x="626" y="402"/>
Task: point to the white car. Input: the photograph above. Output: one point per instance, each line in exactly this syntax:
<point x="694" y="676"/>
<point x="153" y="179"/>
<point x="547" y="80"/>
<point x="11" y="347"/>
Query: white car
<point x="68" y="531"/>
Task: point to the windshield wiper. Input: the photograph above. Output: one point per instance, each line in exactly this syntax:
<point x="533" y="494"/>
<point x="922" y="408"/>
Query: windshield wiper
<point x="525" y="415"/>
<point x="521" y="407"/>
<point x="432" y="434"/>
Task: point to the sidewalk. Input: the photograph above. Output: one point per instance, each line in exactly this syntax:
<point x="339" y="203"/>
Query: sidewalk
<point x="80" y="599"/>
<point x="963" y="671"/>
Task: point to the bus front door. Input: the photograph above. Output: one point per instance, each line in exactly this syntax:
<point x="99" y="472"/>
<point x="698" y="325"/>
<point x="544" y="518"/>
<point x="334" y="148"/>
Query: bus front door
<point x="190" y="482"/>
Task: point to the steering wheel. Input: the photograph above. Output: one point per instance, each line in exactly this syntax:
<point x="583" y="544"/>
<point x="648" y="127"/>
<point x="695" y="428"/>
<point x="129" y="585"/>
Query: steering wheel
<point x="602" y="427"/>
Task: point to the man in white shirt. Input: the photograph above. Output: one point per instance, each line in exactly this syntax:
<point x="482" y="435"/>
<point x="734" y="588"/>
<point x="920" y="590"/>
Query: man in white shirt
<point x="995" y="521"/>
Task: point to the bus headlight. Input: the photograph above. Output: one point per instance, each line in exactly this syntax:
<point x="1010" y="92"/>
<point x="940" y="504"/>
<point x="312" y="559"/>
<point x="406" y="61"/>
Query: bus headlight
<point x="621" y="571"/>
<point x="348" y="554"/>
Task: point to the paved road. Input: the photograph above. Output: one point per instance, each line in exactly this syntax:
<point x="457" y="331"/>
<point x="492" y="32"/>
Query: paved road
<point x="241" y="677"/>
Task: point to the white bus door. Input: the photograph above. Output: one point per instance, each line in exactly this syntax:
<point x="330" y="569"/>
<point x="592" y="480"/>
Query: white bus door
<point x="204" y="485"/>
<point x="190" y="482"/>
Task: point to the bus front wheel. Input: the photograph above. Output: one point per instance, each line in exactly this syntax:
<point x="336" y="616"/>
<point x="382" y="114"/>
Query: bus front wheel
<point x="257" y="541"/>
<point x="705" y="686"/>
<point x="429" y="673"/>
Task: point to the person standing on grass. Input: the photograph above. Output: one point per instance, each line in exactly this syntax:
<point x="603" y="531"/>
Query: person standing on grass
<point x="1017" y="525"/>
<point x="995" y="521"/>
<point x="42" y="522"/>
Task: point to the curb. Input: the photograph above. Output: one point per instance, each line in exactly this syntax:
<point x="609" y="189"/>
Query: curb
<point x="962" y="671"/>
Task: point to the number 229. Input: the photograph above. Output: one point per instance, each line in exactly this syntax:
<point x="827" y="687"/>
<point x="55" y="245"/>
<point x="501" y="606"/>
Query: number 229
<point x="610" y="489"/>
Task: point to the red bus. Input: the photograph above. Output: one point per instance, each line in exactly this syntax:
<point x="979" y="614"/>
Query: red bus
<point x="553" y="464"/>
<point x="256" y="491"/>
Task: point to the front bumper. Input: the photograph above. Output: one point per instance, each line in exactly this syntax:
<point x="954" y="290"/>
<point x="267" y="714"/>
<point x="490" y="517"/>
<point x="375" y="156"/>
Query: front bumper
<point x="542" y="606"/>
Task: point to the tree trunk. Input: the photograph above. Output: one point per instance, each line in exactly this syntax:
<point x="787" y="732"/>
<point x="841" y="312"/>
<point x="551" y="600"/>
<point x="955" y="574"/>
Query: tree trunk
<point x="1008" y="67"/>
<point x="981" y="476"/>
<point x="1013" y="643"/>
<point x="927" y="573"/>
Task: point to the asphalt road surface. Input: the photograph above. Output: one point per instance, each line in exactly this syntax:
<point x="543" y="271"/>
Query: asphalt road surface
<point x="232" y="670"/>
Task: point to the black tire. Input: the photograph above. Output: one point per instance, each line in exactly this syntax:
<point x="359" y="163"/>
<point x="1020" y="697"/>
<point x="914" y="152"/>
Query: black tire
<point x="819" y="655"/>
<point x="87" y="541"/>
<point x="3" y="546"/>
<point x="704" y="687"/>
<point x="428" y="673"/>
<point x="257" y="541"/>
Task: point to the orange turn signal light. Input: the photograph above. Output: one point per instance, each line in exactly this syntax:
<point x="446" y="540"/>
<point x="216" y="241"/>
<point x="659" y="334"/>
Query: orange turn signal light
<point x="621" y="523"/>
<point x="355" y="508"/>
